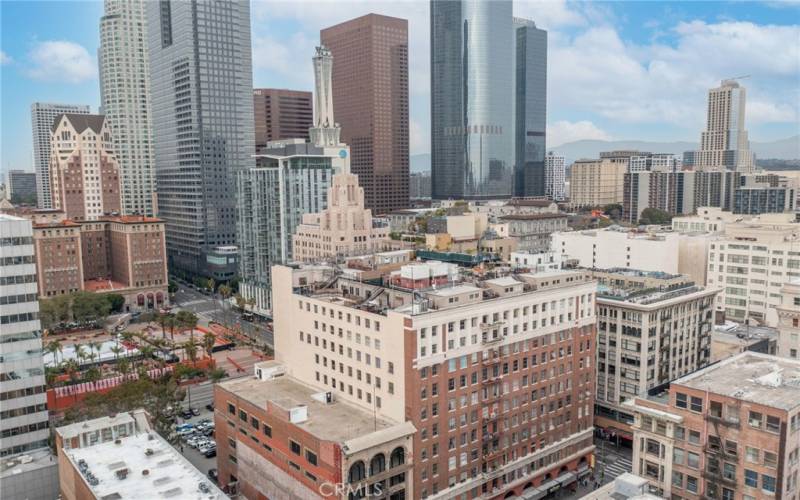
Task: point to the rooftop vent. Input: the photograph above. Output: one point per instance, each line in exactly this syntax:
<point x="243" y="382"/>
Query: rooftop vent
<point x="298" y="414"/>
<point x="323" y="397"/>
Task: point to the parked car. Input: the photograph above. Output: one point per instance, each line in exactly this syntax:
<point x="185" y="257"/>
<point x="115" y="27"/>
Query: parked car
<point x="194" y="411"/>
<point x="210" y="407"/>
<point x="186" y="414"/>
<point x="213" y="475"/>
<point x="211" y="453"/>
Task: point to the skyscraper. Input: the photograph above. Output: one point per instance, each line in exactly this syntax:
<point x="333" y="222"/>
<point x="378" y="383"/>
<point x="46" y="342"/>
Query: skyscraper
<point x="724" y="143"/>
<point x="42" y="117"/>
<point x="281" y="114"/>
<point x="530" y="101"/>
<point x="554" y="176"/>
<point x="370" y="97"/>
<point x="472" y="99"/>
<point x="202" y="101"/>
<point x="125" y="94"/>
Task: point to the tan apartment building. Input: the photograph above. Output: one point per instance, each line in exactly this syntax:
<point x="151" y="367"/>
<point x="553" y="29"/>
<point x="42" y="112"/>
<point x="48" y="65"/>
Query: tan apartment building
<point x="594" y="183"/>
<point x="789" y="320"/>
<point x="125" y="255"/>
<point x="652" y="328"/>
<point x="728" y="431"/>
<point x="84" y="173"/>
<point x="495" y="376"/>
<point x="345" y="228"/>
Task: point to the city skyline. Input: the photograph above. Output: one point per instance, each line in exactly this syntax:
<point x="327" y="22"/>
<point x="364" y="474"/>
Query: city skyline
<point x="645" y="56"/>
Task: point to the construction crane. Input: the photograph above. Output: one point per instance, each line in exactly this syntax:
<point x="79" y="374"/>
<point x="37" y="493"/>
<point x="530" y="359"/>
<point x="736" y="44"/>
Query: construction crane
<point x="733" y="79"/>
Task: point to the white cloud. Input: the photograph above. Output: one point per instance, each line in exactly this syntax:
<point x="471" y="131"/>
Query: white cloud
<point x="5" y="58"/>
<point x="61" y="61"/>
<point x="419" y="137"/>
<point x="767" y="112"/>
<point x="289" y="60"/>
<point x="563" y="131"/>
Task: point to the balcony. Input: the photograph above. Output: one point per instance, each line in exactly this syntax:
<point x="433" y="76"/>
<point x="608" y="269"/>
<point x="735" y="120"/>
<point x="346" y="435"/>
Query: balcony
<point x="718" y="477"/>
<point x="489" y="326"/>
<point x="487" y="339"/>
<point x="733" y="424"/>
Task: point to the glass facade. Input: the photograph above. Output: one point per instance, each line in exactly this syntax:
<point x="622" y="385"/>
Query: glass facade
<point x="531" y="108"/>
<point x="472" y="108"/>
<point x="202" y="109"/>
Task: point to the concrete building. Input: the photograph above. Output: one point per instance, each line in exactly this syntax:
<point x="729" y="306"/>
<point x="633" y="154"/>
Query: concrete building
<point x="84" y="172"/>
<point x="705" y="220"/>
<point x="530" y="108"/>
<point x="125" y="96"/>
<point x="201" y="84"/>
<point x="122" y="457"/>
<point x="626" y="486"/>
<point x="281" y="114"/>
<point x="372" y="108"/>
<point x="789" y="320"/>
<point x="496" y="376"/>
<point x="762" y="194"/>
<point x="124" y="255"/>
<point x="21" y="186"/>
<point x="652" y="328"/>
<point x="43" y="115"/>
<point x="555" y="177"/>
<point x="672" y="192"/>
<point x="594" y="183"/>
<point x="729" y="430"/>
<point x="730" y="339"/>
<point x="751" y="261"/>
<point x="27" y="471"/>
<point x="536" y="262"/>
<point x="616" y="247"/>
<point x="649" y="162"/>
<point x="533" y="231"/>
<point x="345" y="228"/>
<point x="419" y="187"/>
<point x="724" y="144"/>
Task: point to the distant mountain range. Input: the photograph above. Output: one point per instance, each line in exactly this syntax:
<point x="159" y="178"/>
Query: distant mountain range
<point x="783" y="149"/>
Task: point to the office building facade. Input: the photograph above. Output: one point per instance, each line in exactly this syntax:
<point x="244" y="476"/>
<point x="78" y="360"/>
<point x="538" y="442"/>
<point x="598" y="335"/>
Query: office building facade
<point x="530" y="108"/>
<point x="789" y="320"/>
<point x="372" y="107"/>
<point x="43" y="115"/>
<point x="21" y="186"/>
<point x="84" y="172"/>
<point x="125" y="97"/>
<point x="555" y="177"/>
<point x="595" y="183"/>
<point x="202" y="115"/>
<point x="472" y="108"/>
<point x="281" y="114"/>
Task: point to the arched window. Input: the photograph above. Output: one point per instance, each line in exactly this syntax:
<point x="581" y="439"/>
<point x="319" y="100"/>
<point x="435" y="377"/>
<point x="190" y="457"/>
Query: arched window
<point x="357" y="472"/>
<point x="377" y="464"/>
<point x="398" y="457"/>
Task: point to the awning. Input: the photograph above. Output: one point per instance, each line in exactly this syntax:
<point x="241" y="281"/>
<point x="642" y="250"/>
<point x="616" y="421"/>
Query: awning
<point x="583" y="470"/>
<point x="533" y="494"/>
<point x="565" y="479"/>
<point x="550" y="486"/>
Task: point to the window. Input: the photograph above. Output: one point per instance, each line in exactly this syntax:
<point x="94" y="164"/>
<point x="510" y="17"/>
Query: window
<point x="754" y="419"/>
<point x="715" y="409"/>
<point x="254" y="422"/>
<point x="267" y="430"/>
<point x="677" y="479"/>
<point x="691" y="484"/>
<point x="729" y="471"/>
<point x="294" y="447"/>
<point x="243" y="415"/>
<point x="697" y="404"/>
<point x="773" y="424"/>
<point x="681" y="400"/>
<point x="751" y="478"/>
<point x="768" y="483"/>
<point x="678" y="455"/>
<point x="694" y="437"/>
<point x="311" y="457"/>
<point x="692" y="460"/>
<point x="231" y="409"/>
<point x="770" y="459"/>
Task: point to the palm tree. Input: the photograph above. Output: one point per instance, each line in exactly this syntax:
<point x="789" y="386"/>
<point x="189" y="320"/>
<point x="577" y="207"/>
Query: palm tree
<point x="116" y="350"/>
<point x="94" y="346"/>
<point x="54" y="347"/>
<point x="72" y="368"/>
<point x="208" y="342"/>
<point x="163" y="319"/>
<point x="188" y="319"/>
<point x="146" y="351"/>
<point x="92" y="375"/>
<point x="225" y="292"/>
<point x="241" y="302"/>
<point x="191" y="350"/>
<point x="80" y="353"/>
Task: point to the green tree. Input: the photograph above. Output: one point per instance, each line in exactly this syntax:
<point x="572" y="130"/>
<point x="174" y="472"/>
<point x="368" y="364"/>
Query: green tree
<point x="54" y="347"/>
<point x="208" y="342"/>
<point x="225" y="293"/>
<point x="117" y="350"/>
<point x="115" y="301"/>
<point x="217" y="374"/>
<point x="54" y="311"/>
<point x="613" y="210"/>
<point x="92" y="375"/>
<point x="187" y="319"/>
<point x="190" y="348"/>
<point x="655" y="216"/>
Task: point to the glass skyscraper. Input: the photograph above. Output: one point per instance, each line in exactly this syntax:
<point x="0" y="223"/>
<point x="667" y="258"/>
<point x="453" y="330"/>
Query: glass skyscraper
<point x="202" y="110"/>
<point x="488" y="77"/>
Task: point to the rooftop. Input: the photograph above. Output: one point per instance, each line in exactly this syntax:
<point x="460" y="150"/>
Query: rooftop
<point x="736" y="333"/>
<point x="338" y="421"/>
<point x="81" y="122"/>
<point x="753" y="377"/>
<point x="30" y="460"/>
<point x="530" y="203"/>
<point x="533" y="216"/>
<point x="168" y="474"/>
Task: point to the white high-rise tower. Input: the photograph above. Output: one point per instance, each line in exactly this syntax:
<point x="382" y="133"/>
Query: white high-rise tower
<point x="125" y="94"/>
<point x="724" y="144"/>
<point x="325" y="131"/>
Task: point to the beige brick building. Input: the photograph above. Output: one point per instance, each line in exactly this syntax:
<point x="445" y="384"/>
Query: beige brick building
<point x="594" y="183"/>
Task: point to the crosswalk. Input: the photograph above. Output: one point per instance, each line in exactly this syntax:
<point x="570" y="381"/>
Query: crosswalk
<point x="617" y="467"/>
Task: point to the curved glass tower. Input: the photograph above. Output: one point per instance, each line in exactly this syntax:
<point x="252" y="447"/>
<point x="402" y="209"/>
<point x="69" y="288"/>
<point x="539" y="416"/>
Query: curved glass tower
<point x="472" y="99"/>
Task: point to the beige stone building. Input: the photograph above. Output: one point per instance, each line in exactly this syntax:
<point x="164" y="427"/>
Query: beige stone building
<point x="789" y="320"/>
<point x="496" y="376"/>
<point x="594" y="183"/>
<point x="84" y="173"/>
<point x="343" y="229"/>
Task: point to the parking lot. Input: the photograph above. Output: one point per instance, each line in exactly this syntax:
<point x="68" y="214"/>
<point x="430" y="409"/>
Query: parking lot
<point x="195" y="457"/>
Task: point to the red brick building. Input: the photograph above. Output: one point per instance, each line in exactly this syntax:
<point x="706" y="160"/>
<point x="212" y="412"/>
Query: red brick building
<point x="728" y="431"/>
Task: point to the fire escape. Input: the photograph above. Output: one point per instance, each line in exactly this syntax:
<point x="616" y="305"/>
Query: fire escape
<point x="717" y="454"/>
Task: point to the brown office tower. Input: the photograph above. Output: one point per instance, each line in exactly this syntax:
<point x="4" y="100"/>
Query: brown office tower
<point x="281" y="114"/>
<point x="370" y="101"/>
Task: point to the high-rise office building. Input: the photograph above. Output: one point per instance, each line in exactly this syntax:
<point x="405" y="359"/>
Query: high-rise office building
<point x="125" y="94"/>
<point x="84" y="173"/>
<point x="21" y="186"/>
<point x="281" y="114"/>
<point x="24" y="419"/>
<point x="43" y="115"/>
<point x="530" y="113"/>
<point x="724" y="143"/>
<point x="472" y="111"/>
<point x="202" y="114"/>
<point x="555" y="176"/>
<point x="370" y="97"/>
<point x="488" y="101"/>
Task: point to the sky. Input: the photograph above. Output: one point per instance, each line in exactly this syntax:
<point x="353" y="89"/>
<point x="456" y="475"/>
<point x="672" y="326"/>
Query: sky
<point x="617" y="70"/>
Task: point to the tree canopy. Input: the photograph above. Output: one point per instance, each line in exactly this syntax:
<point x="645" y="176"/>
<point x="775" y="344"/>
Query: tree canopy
<point x="655" y="216"/>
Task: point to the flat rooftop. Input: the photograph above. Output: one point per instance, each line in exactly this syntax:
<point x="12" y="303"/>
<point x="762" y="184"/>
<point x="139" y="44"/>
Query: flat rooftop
<point x="169" y="475"/>
<point x="338" y="421"/>
<point x="753" y="377"/>
<point x="648" y="296"/>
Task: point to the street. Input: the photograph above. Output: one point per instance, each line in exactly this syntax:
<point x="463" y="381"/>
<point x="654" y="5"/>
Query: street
<point x="208" y="309"/>
<point x="610" y="462"/>
<point x="202" y="463"/>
